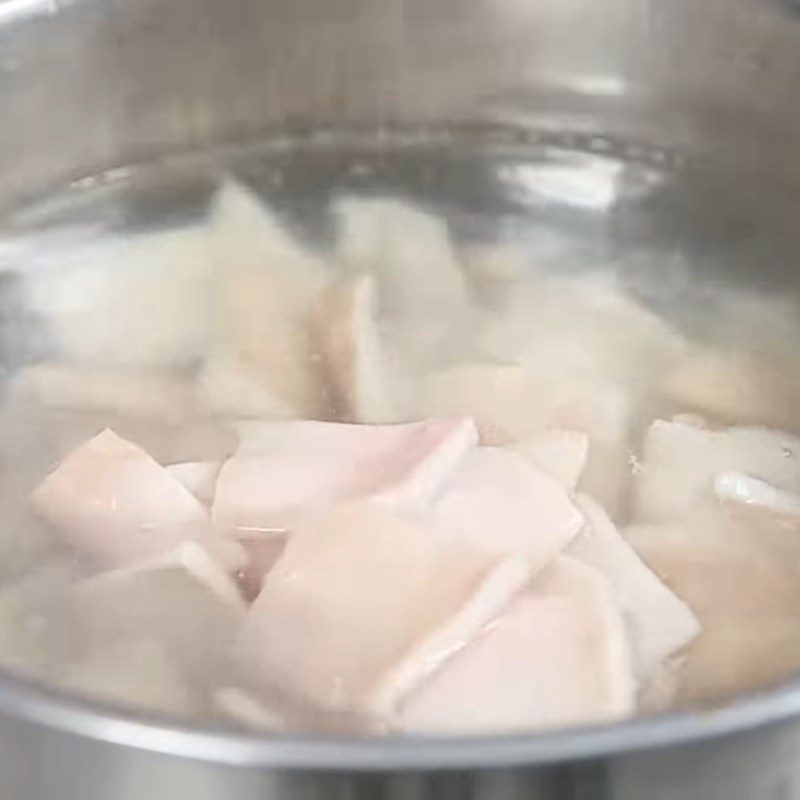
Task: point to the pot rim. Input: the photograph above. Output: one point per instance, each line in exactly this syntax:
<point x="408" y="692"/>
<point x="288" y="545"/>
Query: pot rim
<point x="40" y="705"/>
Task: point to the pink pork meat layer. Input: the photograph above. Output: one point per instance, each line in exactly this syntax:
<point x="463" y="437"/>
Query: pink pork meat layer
<point x="117" y="506"/>
<point x="283" y="471"/>
<point x="558" y="656"/>
<point x="383" y="600"/>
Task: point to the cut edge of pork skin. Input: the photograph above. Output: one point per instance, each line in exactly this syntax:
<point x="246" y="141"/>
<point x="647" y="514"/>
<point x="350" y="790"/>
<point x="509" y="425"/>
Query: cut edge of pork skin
<point x="659" y="622"/>
<point x="489" y="601"/>
<point x="354" y="354"/>
<point x="190" y="556"/>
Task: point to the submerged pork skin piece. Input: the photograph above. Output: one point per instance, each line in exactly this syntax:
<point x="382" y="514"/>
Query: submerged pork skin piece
<point x="559" y="453"/>
<point x="716" y="564"/>
<point x="229" y="387"/>
<point x="421" y="289"/>
<point x="557" y="656"/>
<point x="34" y="618"/>
<point x="188" y="559"/>
<point x="511" y="404"/>
<point x="357" y="363"/>
<point x="114" y="504"/>
<point x="379" y="599"/>
<point x="283" y="471"/>
<point x="184" y="600"/>
<point x="739" y="654"/>
<point x="133" y="673"/>
<point x="741" y="577"/>
<point x="680" y="463"/>
<point x="498" y="500"/>
<point x="659" y="623"/>
<point x="138" y="393"/>
<point x="735" y="387"/>
<point x="265" y="285"/>
<point x="126" y="302"/>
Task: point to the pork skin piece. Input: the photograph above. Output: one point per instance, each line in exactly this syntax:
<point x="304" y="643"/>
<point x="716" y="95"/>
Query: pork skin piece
<point x="497" y="500"/>
<point x="199" y="477"/>
<point x="265" y="285"/>
<point x="680" y="463"/>
<point x="659" y="622"/>
<point x="284" y="471"/>
<point x="117" y="506"/>
<point x="510" y="403"/>
<point x="421" y="290"/>
<point x="558" y="656"/>
<point x="357" y="361"/>
<point x="384" y="601"/>
<point x="560" y="453"/>
<point x="185" y="601"/>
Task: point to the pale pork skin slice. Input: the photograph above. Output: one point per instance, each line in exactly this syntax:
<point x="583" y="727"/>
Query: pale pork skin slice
<point x="127" y="303"/>
<point x="137" y="393"/>
<point x="116" y="506"/>
<point x="185" y="601"/>
<point x="34" y="618"/>
<point x="739" y="655"/>
<point x="680" y="463"/>
<point x="230" y="389"/>
<point x="284" y="471"/>
<point x="718" y="565"/>
<point x="381" y="600"/>
<point x="558" y="656"/>
<point x="356" y="360"/>
<point x="421" y="289"/>
<point x="187" y="558"/>
<point x="659" y="623"/>
<point x="511" y="404"/>
<point x="134" y="673"/>
<point x="265" y="285"/>
<point x="498" y="500"/>
<point x="735" y="387"/>
<point x="741" y="577"/>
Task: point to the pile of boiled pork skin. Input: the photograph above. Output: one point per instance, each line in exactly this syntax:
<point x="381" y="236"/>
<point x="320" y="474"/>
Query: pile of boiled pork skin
<point x="463" y="496"/>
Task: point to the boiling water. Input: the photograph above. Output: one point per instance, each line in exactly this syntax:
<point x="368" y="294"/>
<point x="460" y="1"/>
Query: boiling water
<point x="667" y="233"/>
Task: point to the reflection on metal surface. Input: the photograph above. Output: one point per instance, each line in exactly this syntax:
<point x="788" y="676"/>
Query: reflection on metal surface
<point x="19" y="10"/>
<point x="592" y="185"/>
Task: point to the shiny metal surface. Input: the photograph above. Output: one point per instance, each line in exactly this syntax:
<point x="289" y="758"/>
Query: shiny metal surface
<point x="88" y="85"/>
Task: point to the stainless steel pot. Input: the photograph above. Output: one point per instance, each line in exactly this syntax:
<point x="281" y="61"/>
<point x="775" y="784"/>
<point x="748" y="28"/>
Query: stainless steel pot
<point x="87" y="85"/>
